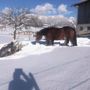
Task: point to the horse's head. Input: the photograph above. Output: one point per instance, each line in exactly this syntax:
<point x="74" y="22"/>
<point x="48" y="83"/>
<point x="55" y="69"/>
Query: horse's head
<point x="38" y="36"/>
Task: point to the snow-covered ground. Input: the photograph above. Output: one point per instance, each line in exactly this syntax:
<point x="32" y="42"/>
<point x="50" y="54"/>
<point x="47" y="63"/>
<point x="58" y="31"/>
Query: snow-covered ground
<point x="51" y="67"/>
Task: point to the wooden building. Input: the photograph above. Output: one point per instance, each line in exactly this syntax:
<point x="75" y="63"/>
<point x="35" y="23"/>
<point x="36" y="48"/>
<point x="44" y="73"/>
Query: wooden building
<point x="83" y="17"/>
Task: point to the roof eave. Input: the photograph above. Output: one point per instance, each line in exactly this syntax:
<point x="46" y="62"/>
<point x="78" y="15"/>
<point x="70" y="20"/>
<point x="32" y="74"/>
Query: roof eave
<point x="77" y="4"/>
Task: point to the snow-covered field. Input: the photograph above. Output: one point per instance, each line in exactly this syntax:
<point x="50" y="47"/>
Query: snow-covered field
<point x="51" y="67"/>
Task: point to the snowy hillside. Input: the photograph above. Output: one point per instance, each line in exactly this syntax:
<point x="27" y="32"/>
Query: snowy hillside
<point x="40" y="67"/>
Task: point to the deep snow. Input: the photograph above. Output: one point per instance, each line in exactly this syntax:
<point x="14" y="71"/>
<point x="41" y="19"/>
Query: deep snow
<point x="53" y="67"/>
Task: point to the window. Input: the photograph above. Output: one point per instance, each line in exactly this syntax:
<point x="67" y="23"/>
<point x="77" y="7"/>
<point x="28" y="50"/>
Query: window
<point x="88" y="28"/>
<point x="81" y="28"/>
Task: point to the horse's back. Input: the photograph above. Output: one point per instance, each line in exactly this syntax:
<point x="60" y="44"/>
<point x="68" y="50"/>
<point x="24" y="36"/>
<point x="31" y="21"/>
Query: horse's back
<point x="55" y="33"/>
<point x="69" y="30"/>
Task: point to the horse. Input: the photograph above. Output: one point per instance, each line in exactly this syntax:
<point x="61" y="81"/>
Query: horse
<point x="66" y="33"/>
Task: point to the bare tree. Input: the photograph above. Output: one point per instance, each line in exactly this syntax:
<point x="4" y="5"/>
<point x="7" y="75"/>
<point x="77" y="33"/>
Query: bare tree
<point x="14" y="17"/>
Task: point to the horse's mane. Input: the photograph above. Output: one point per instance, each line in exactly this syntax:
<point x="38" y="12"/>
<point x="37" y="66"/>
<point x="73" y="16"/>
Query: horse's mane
<point x="44" y="31"/>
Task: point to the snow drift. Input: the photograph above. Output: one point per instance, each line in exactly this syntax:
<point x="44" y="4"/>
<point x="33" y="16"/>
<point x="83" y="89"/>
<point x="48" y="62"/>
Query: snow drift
<point x="46" y="67"/>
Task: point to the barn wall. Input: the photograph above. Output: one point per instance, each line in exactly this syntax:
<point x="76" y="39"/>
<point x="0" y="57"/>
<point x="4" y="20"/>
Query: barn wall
<point x="84" y="13"/>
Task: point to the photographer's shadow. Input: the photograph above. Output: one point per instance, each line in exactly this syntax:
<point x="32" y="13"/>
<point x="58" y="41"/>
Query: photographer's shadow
<point x="22" y="82"/>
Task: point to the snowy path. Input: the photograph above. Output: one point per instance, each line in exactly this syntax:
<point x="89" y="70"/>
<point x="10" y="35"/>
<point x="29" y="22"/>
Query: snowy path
<point x="65" y="68"/>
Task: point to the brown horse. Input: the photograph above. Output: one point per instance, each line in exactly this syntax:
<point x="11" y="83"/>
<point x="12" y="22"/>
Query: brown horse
<point x="66" y="33"/>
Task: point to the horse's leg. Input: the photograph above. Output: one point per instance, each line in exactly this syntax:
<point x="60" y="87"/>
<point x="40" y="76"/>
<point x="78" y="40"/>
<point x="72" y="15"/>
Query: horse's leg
<point x="47" y="42"/>
<point x="52" y="42"/>
<point x="66" y="41"/>
<point x="74" y="42"/>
